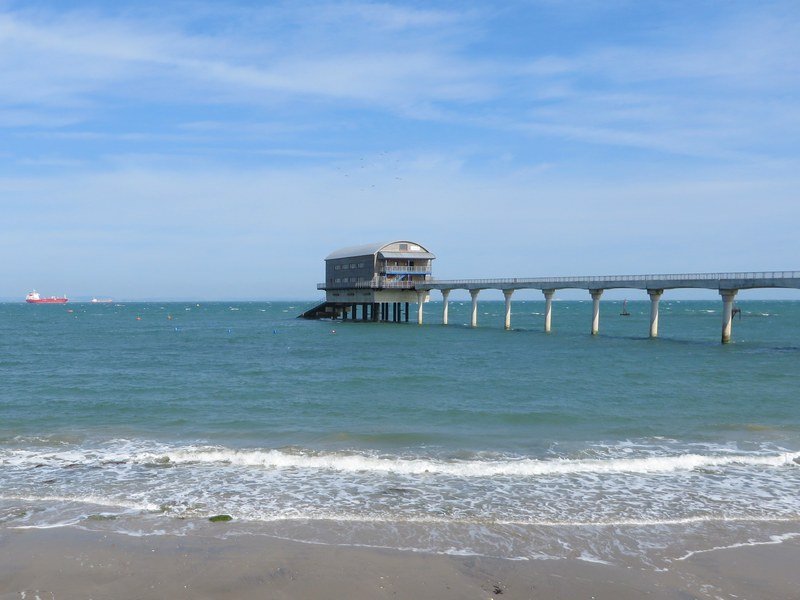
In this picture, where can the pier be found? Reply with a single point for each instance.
(384, 278)
(727, 284)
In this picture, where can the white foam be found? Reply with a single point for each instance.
(86, 499)
(773, 539)
(468, 468)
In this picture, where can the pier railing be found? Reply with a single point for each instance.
(587, 281)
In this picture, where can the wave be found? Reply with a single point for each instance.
(163, 456)
(523, 467)
(473, 468)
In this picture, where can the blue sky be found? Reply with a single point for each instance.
(221, 150)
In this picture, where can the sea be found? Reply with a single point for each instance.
(149, 418)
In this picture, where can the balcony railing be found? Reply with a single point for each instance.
(376, 283)
(404, 269)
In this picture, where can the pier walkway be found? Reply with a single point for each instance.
(727, 284)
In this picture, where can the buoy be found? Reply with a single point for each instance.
(169, 317)
(333, 331)
(138, 318)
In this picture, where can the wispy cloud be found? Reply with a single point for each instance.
(696, 91)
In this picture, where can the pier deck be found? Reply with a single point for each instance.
(728, 284)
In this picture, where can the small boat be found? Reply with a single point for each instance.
(35, 298)
(624, 312)
(102, 300)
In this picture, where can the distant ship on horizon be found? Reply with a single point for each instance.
(102, 300)
(34, 298)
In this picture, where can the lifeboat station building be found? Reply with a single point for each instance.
(374, 282)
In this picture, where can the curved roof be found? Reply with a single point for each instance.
(367, 249)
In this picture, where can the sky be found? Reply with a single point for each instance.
(207, 150)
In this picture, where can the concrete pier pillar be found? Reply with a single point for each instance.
(420, 303)
(406, 312)
(507, 294)
(445, 294)
(727, 313)
(596, 310)
(655, 296)
(474, 319)
(548, 309)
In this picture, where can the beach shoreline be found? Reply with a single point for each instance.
(69, 562)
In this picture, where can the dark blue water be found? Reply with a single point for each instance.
(158, 415)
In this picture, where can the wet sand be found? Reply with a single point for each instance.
(72, 563)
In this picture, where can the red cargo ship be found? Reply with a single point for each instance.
(34, 298)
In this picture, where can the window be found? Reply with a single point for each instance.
(344, 267)
(360, 265)
(337, 267)
(403, 247)
(338, 280)
(352, 265)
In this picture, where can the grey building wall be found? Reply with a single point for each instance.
(349, 269)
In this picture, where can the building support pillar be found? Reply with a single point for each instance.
(727, 313)
(596, 310)
(406, 312)
(445, 294)
(420, 303)
(548, 309)
(655, 296)
(474, 319)
(507, 294)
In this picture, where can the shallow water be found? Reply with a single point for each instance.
(448, 439)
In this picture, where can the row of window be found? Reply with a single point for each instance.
(350, 266)
(345, 279)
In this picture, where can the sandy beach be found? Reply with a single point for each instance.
(72, 563)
